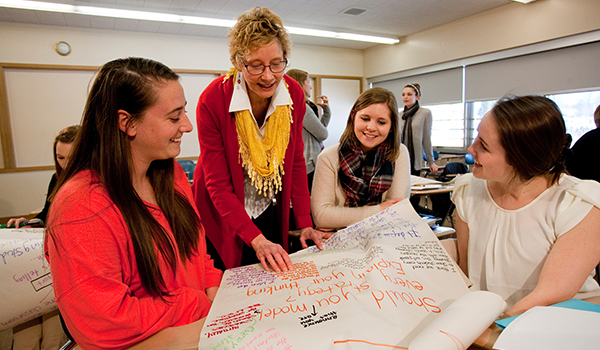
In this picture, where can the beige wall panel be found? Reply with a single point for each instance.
(341, 93)
(510, 26)
(41, 103)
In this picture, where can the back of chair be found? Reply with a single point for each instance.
(436, 155)
(188, 166)
(453, 168)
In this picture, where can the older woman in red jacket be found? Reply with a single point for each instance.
(251, 164)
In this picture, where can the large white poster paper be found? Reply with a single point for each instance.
(26, 291)
(375, 285)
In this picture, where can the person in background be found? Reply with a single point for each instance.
(368, 171)
(315, 128)
(415, 126)
(526, 230)
(124, 240)
(46, 332)
(580, 162)
(251, 164)
(62, 149)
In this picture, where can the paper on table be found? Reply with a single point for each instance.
(461, 323)
(376, 284)
(419, 180)
(569, 304)
(551, 328)
(426, 187)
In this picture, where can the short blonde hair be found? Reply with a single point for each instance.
(254, 28)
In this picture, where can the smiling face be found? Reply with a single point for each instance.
(157, 134)
(490, 156)
(409, 96)
(372, 125)
(63, 150)
(263, 86)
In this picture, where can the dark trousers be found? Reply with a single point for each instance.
(267, 223)
(414, 200)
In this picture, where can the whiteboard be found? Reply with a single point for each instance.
(43, 101)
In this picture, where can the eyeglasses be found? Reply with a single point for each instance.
(258, 69)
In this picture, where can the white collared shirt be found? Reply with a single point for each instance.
(254, 203)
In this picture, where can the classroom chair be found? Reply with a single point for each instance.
(188, 166)
(451, 170)
(70, 344)
(436, 156)
(443, 202)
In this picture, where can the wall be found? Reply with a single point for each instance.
(35, 44)
(24, 192)
(509, 26)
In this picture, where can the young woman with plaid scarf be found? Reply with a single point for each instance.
(368, 171)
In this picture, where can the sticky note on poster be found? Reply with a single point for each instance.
(376, 283)
(27, 290)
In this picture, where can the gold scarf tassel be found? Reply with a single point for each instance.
(264, 158)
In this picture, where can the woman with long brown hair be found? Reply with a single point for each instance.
(124, 240)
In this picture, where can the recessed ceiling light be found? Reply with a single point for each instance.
(166, 17)
(524, 1)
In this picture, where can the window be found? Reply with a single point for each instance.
(448, 126)
(578, 111)
(479, 109)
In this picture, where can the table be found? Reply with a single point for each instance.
(489, 337)
(430, 189)
(187, 337)
(443, 232)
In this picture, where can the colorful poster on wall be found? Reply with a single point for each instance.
(376, 284)
(27, 290)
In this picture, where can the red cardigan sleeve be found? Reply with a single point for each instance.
(219, 157)
(300, 196)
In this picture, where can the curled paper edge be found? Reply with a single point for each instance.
(461, 323)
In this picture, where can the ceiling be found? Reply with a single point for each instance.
(390, 18)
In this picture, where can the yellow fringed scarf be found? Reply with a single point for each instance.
(263, 158)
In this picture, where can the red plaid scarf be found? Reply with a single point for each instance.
(364, 177)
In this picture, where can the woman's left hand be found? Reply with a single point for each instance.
(314, 235)
(270, 253)
(433, 168)
(324, 101)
